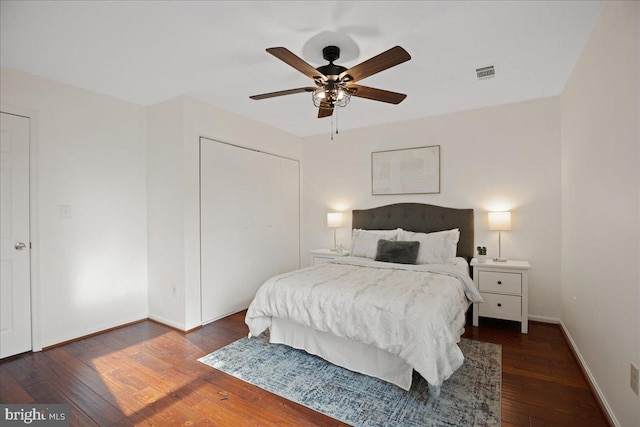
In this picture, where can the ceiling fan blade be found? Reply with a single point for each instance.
(291, 59)
(390, 58)
(282, 92)
(325, 111)
(376, 94)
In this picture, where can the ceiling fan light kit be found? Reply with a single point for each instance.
(331, 95)
(335, 84)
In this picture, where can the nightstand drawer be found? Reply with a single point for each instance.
(498, 306)
(494, 281)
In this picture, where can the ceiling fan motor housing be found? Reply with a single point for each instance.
(331, 70)
(331, 53)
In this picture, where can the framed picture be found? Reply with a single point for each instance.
(406, 171)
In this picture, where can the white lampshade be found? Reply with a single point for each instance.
(499, 221)
(334, 219)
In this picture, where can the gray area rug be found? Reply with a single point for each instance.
(470, 397)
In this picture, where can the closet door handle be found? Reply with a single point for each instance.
(499, 304)
(499, 282)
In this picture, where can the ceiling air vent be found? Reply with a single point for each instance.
(486, 72)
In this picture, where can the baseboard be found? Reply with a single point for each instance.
(195, 328)
(92, 334)
(604, 405)
(124, 325)
(544, 319)
(172, 326)
(235, 310)
(167, 322)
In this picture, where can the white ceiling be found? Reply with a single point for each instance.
(149, 51)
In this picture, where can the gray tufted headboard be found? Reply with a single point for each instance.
(421, 218)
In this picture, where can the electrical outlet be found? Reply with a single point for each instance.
(634, 378)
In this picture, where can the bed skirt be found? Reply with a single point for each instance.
(349, 354)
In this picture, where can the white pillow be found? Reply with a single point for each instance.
(364, 243)
(391, 233)
(435, 248)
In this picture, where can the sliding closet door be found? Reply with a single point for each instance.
(249, 218)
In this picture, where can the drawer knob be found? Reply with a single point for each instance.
(499, 304)
(499, 282)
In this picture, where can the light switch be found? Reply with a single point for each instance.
(65, 211)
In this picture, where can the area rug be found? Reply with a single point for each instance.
(470, 397)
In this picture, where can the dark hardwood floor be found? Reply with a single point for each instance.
(542, 383)
(147, 374)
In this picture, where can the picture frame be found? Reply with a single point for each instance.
(406, 171)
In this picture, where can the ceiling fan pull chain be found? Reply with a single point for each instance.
(336, 121)
(332, 127)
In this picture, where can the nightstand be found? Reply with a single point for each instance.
(505, 289)
(318, 256)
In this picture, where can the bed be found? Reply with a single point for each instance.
(382, 319)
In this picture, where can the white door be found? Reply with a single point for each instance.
(15, 287)
(250, 224)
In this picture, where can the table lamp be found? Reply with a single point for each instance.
(334, 220)
(499, 221)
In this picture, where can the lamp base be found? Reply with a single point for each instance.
(499, 260)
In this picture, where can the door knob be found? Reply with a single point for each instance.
(20, 246)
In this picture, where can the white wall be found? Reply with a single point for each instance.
(165, 200)
(90, 152)
(601, 206)
(175, 234)
(497, 158)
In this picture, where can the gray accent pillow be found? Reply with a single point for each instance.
(398, 252)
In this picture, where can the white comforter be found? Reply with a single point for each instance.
(416, 312)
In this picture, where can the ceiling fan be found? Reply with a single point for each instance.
(335, 84)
